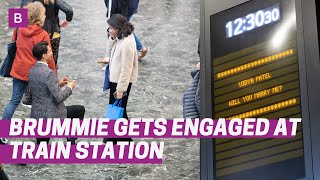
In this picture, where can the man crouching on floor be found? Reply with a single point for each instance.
(47, 91)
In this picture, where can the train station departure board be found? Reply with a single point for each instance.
(256, 74)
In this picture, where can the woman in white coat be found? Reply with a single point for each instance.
(123, 61)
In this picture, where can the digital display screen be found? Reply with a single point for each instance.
(253, 20)
(255, 73)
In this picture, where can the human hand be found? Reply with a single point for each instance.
(64, 23)
(72, 84)
(63, 82)
(104, 60)
(119, 95)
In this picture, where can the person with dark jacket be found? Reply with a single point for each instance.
(52, 23)
(127, 8)
(191, 98)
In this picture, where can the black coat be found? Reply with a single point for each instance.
(124, 7)
(118, 7)
(52, 23)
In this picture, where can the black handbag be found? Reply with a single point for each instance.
(8, 61)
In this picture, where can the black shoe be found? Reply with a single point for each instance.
(115, 140)
(27, 101)
(72, 140)
(3, 175)
(3, 141)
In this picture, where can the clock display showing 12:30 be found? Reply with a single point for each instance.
(253, 21)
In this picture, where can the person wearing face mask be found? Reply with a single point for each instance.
(123, 62)
(24, 60)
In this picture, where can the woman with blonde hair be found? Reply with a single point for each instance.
(26, 38)
(52, 23)
(53, 26)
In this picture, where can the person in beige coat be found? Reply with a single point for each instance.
(123, 61)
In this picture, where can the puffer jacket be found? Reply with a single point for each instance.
(191, 98)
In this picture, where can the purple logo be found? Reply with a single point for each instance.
(18, 17)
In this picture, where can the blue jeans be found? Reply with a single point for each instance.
(18, 90)
(138, 43)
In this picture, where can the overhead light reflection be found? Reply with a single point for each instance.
(281, 35)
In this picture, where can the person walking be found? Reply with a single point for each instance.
(24, 60)
(127, 8)
(52, 22)
(123, 62)
(53, 26)
(47, 94)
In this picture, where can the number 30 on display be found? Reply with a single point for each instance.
(253, 20)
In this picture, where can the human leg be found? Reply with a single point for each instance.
(43, 139)
(55, 43)
(113, 88)
(27, 101)
(138, 43)
(75, 111)
(142, 50)
(18, 89)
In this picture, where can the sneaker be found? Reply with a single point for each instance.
(26, 104)
(3, 141)
(73, 140)
(142, 53)
(27, 101)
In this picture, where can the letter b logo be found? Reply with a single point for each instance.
(18, 17)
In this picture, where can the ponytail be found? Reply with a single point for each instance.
(127, 29)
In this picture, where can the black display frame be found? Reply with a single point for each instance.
(309, 72)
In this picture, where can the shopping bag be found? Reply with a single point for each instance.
(8, 61)
(114, 111)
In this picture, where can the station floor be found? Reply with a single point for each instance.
(170, 29)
